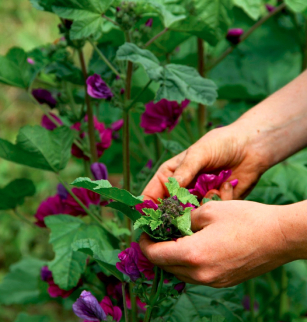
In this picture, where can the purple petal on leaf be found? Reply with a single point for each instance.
(97, 88)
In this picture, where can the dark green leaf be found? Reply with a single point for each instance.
(68, 265)
(14, 193)
(105, 189)
(24, 317)
(39, 148)
(126, 210)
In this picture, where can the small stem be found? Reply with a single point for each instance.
(20, 216)
(133, 303)
(152, 295)
(139, 95)
(90, 116)
(201, 69)
(155, 37)
(111, 20)
(283, 302)
(87, 168)
(104, 58)
(124, 301)
(251, 292)
(246, 35)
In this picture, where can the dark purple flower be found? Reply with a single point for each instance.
(97, 88)
(179, 287)
(122, 91)
(48, 124)
(62, 192)
(87, 197)
(110, 310)
(46, 274)
(234, 35)
(146, 204)
(128, 263)
(87, 307)
(149, 22)
(30, 61)
(162, 115)
(149, 164)
(247, 305)
(206, 182)
(99, 171)
(144, 265)
(44, 97)
(270, 8)
(51, 206)
(116, 126)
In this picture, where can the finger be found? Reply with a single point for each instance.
(163, 253)
(211, 193)
(200, 218)
(226, 191)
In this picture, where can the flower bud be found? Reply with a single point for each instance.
(99, 171)
(234, 35)
(149, 23)
(97, 88)
(179, 287)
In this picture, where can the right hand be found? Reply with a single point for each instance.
(220, 149)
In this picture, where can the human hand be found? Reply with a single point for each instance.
(234, 241)
(223, 148)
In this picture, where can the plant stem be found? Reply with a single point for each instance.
(251, 292)
(104, 58)
(87, 169)
(201, 69)
(90, 116)
(139, 95)
(155, 37)
(283, 302)
(71, 99)
(20, 216)
(124, 302)
(246, 35)
(133, 303)
(111, 20)
(271, 282)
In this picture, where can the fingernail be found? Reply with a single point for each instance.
(227, 186)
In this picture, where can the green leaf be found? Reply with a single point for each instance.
(85, 28)
(251, 7)
(15, 70)
(177, 82)
(172, 146)
(214, 318)
(155, 224)
(21, 284)
(68, 265)
(183, 223)
(126, 210)
(296, 5)
(105, 189)
(39, 148)
(172, 186)
(14, 193)
(152, 213)
(206, 19)
(24, 317)
(106, 258)
(141, 222)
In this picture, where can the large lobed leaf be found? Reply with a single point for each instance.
(37, 147)
(177, 82)
(14, 193)
(68, 265)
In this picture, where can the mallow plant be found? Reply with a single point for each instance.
(121, 90)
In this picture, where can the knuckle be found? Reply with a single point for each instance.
(206, 278)
(193, 257)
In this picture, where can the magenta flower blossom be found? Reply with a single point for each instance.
(97, 88)
(110, 310)
(179, 287)
(149, 164)
(270, 8)
(53, 289)
(99, 171)
(30, 61)
(149, 22)
(162, 115)
(87, 197)
(146, 204)
(234, 35)
(44, 97)
(105, 136)
(87, 307)
(144, 265)
(206, 182)
(116, 126)
(51, 206)
(62, 192)
(48, 124)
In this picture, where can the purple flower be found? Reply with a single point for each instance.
(149, 22)
(51, 206)
(247, 305)
(116, 126)
(46, 274)
(44, 97)
(144, 265)
(179, 287)
(87, 307)
(149, 164)
(62, 192)
(162, 115)
(99, 171)
(270, 8)
(97, 88)
(122, 91)
(48, 124)
(234, 35)
(30, 61)
(146, 204)
(206, 182)
(110, 310)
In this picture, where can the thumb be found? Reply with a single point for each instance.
(201, 217)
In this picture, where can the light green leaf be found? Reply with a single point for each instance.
(14, 193)
(251, 7)
(172, 186)
(105, 189)
(21, 284)
(39, 148)
(296, 5)
(24, 317)
(152, 213)
(85, 28)
(177, 82)
(155, 224)
(106, 258)
(183, 223)
(143, 221)
(68, 265)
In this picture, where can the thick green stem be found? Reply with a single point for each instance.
(251, 293)
(134, 311)
(283, 303)
(201, 69)
(90, 115)
(124, 302)
(260, 22)
(104, 58)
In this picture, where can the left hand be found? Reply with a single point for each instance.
(234, 241)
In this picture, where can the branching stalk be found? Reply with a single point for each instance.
(149, 42)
